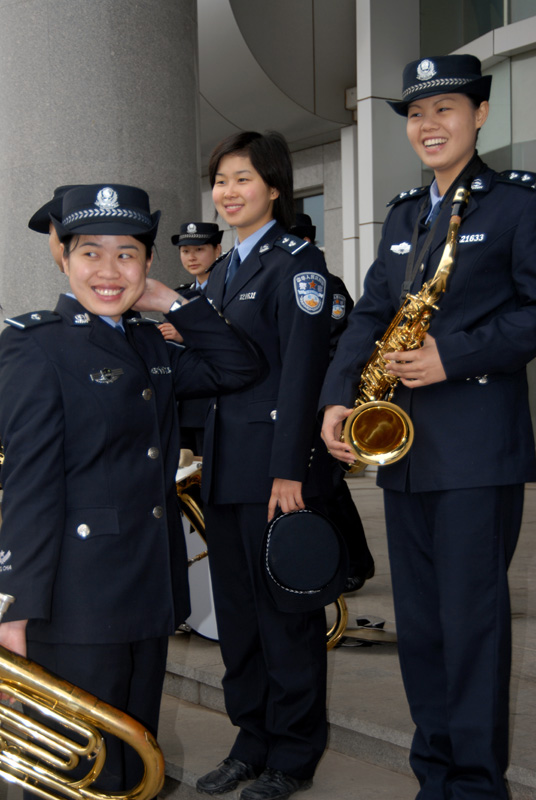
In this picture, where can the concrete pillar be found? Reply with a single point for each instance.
(387, 38)
(350, 210)
(91, 91)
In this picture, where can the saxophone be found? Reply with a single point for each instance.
(377, 430)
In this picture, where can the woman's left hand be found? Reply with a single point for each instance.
(420, 367)
(157, 297)
(287, 495)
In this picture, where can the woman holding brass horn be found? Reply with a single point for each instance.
(454, 500)
(92, 542)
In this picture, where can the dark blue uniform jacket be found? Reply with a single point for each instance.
(473, 429)
(91, 541)
(267, 430)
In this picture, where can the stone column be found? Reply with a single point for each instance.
(387, 39)
(93, 91)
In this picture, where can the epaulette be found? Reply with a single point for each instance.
(32, 319)
(141, 321)
(527, 179)
(406, 195)
(292, 244)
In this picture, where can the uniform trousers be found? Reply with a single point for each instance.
(449, 553)
(129, 676)
(275, 662)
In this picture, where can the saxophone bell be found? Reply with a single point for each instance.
(379, 432)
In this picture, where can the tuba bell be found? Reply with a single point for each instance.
(40, 759)
(379, 431)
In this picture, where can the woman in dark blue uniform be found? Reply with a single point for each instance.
(454, 503)
(258, 445)
(96, 557)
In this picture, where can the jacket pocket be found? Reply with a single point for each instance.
(263, 411)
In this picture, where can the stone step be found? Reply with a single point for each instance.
(195, 739)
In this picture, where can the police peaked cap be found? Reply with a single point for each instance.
(109, 209)
(304, 561)
(40, 221)
(303, 226)
(197, 233)
(442, 75)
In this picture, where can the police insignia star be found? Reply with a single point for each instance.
(106, 375)
(310, 291)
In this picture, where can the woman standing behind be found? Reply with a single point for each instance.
(454, 503)
(257, 452)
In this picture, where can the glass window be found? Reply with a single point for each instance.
(314, 206)
(447, 26)
(521, 9)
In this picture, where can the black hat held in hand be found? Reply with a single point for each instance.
(304, 560)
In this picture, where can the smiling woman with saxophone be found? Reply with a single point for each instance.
(453, 496)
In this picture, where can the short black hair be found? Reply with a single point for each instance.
(270, 156)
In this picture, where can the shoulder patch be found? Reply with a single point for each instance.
(520, 178)
(32, 319)
(310, 291)
(292, 244)
(338, 309)
(407, 195)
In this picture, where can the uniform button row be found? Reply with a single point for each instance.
(84, 530)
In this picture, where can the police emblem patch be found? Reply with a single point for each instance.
(338, 310)
(310, 291)
(401, 249)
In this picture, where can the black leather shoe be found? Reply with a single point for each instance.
(225, 777)
(274, 785)
(356, 582)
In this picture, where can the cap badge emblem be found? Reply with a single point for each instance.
(192, 228)
(426, 70)
(107, 199)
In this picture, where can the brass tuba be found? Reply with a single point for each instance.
(379, 431)
(39, 759)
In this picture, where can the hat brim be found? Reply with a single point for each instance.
(479, 88)
(40, 221)
(106, 227)
(304, 561)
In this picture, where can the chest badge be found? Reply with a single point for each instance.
(106, 375)
(310, 291)
(401, 249)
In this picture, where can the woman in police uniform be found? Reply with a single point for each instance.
(96, 557)
(258, 445)
(454, 502)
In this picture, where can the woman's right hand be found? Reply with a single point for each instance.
(13, 636)
(334, 416)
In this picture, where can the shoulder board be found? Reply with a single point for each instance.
(418, 192)
(32, 319)
(141, 321)
(520, 178)
(292, 244)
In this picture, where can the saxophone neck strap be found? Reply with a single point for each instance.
(469, 172)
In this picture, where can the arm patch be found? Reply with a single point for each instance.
(310, 291)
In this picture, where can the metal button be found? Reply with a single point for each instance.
(483, 379)
(273, 414)
(83, 531)
(153, 452)
(147, 394)
(158, 512)
(421, 268)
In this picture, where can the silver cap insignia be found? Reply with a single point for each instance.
(426, 70)
(107, 199)
(192, 228)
